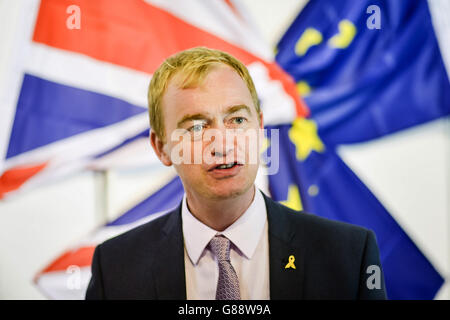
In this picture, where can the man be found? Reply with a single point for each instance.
(227, 240)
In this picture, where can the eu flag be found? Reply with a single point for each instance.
(365, 69)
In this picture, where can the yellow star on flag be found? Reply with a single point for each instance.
(265, 143)
(303, 134)
(293, 201)
(303, 88)
(347, 32)
(309, 38)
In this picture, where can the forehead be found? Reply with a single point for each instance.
(221, 88)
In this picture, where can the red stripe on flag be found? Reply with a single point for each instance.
(136, 35)
(81, 257)
(130, 33)
(12, 179)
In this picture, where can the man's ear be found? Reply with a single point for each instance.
(160, 148)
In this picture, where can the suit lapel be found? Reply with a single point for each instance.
(168, 269)
(285, 283)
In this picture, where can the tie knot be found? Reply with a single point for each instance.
(220, 246)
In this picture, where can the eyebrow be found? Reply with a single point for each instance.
(237, 108)
(190, 117)
(201, 116)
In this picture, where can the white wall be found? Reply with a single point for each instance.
(408, 172)
(36, 227)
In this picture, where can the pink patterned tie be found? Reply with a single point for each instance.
(228, 284)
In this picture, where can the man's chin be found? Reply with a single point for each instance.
(228, 193)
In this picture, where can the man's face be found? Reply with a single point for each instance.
(213, 124)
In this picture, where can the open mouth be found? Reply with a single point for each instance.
(225, 166)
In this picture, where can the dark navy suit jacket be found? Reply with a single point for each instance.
(331, 259)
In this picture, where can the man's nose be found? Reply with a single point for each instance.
(223, 144)
(220, 154)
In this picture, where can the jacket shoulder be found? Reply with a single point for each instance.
(314, 226)
(332, 229)
(335, 255)
(123, 266)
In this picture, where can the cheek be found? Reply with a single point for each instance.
(185, 152)
(252, 169)
(192, 174)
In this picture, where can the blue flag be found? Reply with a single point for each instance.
(365, 83)
(365, 69)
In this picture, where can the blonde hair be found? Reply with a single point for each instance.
(193, 65)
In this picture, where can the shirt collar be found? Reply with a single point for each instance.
(244, 233)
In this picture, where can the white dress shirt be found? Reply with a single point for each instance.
(249, 254)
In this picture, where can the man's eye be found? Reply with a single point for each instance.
(196, 128)
(239, 120)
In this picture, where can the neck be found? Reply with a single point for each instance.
(219, 214)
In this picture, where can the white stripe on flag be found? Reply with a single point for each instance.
(70, 284)
(82, 145)
(80, 71)
(23, 13)
(278, 107)
(107, 232)
(216, 17)
(439, 10)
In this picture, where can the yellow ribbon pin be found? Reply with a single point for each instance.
(291, 262)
